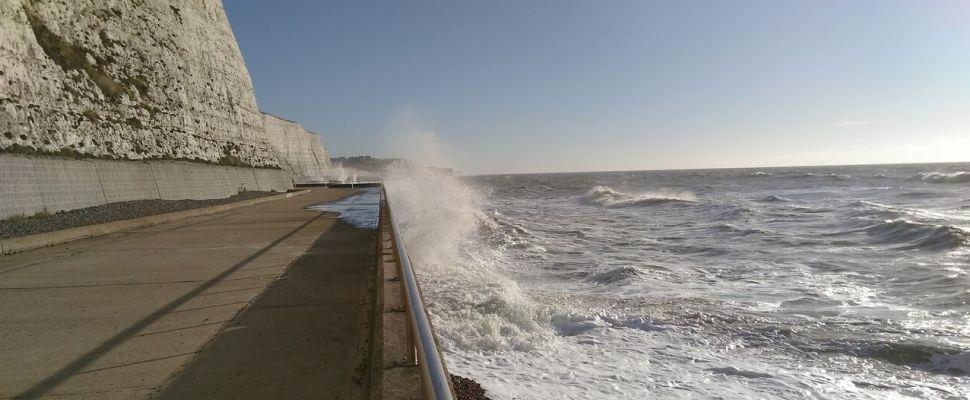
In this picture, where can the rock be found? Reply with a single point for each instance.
(467, 389)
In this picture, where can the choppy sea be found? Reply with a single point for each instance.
(782, 283)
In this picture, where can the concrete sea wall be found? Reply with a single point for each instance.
(30, 185)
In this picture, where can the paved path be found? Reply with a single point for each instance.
(116, 317)
(302, 338)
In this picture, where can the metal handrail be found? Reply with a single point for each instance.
(434, 376)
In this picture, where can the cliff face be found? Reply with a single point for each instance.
(302, 152)
(128, 79)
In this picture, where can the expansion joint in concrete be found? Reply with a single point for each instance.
(155, 180)
(97, 169)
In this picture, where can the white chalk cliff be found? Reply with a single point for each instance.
(137, 79)
(303, 153)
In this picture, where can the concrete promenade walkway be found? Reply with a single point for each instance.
(127, 315)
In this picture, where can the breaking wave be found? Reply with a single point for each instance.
(606, 196)
(943, 177)
(916, 235)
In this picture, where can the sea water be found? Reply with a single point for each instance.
(788, 283)
(359, 209)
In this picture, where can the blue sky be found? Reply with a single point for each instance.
(537, 86)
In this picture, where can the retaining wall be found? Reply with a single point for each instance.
(29, 185)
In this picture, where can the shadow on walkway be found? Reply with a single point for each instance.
(301, 338)
(78, 365)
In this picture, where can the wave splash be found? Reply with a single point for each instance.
(474, 306)
(606, 196)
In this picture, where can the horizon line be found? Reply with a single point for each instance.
(718, 168)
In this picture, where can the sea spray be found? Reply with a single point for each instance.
(343, 173)
(436, 211)
(474, 307)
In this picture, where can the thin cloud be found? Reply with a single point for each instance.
(855, 123)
